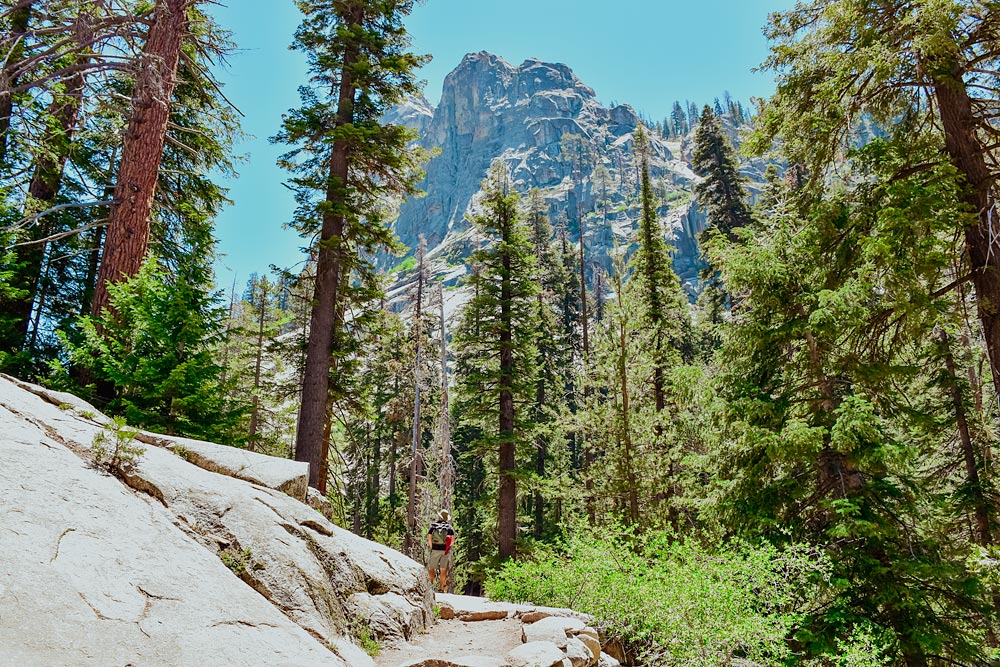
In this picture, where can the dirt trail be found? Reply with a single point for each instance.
(456, 639)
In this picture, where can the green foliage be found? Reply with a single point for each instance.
(158, 351)
(365, 637)
(720, 192)
(406, 265)
(114, 448)
(241, 562)
(673, 601)
(495, 340)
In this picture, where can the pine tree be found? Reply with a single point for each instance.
(129, 221)
(345, 157)
(158, 352)
(833, 440)
(933, 62)
(720, 192)
(495, 342)
(678, 120)
(664, 307)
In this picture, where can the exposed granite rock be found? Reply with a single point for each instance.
(490, 109)
(538, 654)
(94, 573)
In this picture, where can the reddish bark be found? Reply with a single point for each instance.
(982, 242)
(128, 224)
(310, 444)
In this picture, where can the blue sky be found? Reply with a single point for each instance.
(646, 53)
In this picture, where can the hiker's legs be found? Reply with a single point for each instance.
(433, 574)
(444, 580)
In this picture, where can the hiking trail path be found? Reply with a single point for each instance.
(477, 632)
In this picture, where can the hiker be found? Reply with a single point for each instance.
(441, 538)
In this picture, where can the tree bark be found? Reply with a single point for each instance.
(309, 441)
(447, 468)
(258, 361)
(626, 435)
(507, 523)
(982, 241)
(128, 224)
(411, 503)
(46, 180)
(980, 503)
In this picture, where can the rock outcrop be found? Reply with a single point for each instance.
(490, 110)
(189, 556)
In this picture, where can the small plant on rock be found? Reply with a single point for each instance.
(365, 637)
(115, 449)
(240, 562)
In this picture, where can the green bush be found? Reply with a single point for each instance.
(115, 449)
(674, 602)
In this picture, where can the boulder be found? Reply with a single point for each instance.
(579, 653)
(555, 629)
(532, 616)
(92, 574)
(592, 643)
(606, 660)
(469, 608)
(537, 654)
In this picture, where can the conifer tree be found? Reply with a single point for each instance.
(720, 192)
(841, 293)
(909, 60)
(664, 308)
(495, 341)
(129, 220)
(345, 160)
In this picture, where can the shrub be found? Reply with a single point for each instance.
(114, 448)
(674, 602)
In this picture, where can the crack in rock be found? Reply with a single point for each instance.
(59, 542)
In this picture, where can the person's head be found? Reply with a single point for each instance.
(444, 515)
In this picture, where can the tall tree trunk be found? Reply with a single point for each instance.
(982, 243)
(20, 16)
(447, 467)
(630, 477)
(259, 357)
(507, 523)
(588, 454)
(309, 441)
(541, 449)
(46, 180)
(980, 503)
(411, 504)
(128, 224)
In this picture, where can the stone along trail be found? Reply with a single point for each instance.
(476, 632)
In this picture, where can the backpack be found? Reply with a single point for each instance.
(439, 533)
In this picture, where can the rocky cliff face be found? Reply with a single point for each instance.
(196, 554)
(492, 110)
